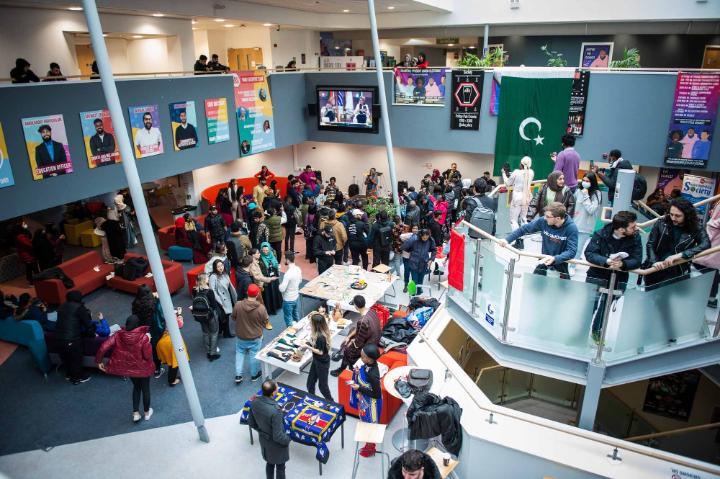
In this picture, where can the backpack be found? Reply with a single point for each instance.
(201, 310)
(482, 218)
(385, 234)
(134, 268)
(639, 187)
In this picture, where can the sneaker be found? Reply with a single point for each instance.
(712, 303)
(159, 372)
(149, 414)
(214, 357)
(136, 416)
(336, 372)
(405, 289)
(81, 380)
(256, 377)
(268, 326)
(238, 379)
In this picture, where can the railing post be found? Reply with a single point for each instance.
(605, 316)
(475, 276)
(510, 272)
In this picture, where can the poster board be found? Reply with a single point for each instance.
(183, 121)
(47, 146)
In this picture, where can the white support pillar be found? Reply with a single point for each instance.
(486, 39)
(136, 192)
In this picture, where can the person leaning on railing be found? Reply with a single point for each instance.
(712, 227)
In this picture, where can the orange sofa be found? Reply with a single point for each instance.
(166, 235)
(173, 275)
(80, 270)
(390, 404)
(210, 193)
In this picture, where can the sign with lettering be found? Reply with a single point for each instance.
(466, 99)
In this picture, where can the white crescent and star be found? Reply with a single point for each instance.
(531, 119)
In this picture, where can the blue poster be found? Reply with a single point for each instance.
(6, 176)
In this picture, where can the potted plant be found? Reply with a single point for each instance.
(630, 59)
(555, 59)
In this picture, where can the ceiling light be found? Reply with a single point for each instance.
(451, 44)
(228, 25)
(391, 7)
(75, 9)
(194, 22)
(194, 28)
(219, 19)
(105, 34)
(267, 24)
(346, 11)
(158, 14)
(337, 48)
(471, 47)
(138, 36)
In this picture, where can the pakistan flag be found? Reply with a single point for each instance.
(533, 118)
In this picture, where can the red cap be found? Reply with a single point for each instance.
(253, 290)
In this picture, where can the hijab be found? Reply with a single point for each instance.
(553, 186)
(268, 259)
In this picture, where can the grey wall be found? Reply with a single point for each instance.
(71, 98)
(290, 109)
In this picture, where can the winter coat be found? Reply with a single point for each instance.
(338, 232)
(267, 419)
(321, 244)
(430, 469)
(611, 175)
(131, 353)
(215, 225)
(429, 416)
(442, 206)
(412, 216)
(275, 230)
(602, 244)
(243, 279)
(540, 200)
(357, 233)
(24, 246)
(73, 322)
(250, 318)
(224, 291)
(713, 231)
(421, 252)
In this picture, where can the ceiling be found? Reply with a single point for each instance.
(353, 6)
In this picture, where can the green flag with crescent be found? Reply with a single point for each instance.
(533, 118)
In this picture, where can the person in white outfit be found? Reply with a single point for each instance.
(587, 210)
(519, 180)
(290, 287)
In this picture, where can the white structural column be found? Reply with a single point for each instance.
(486, 39)
(384, 113)
(136, 192)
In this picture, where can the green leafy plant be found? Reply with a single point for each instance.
(494, 58)
(376, 205)
(555, 59)
(630, 59)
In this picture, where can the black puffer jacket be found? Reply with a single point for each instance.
(74, 319)
(430, 469)
(429, 416)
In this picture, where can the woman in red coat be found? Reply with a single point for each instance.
(24, 246)
(131, 357)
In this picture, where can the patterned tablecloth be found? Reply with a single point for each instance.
(308, 420)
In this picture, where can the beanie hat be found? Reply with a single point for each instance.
(253, 290)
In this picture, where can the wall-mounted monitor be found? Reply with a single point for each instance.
(347, 108)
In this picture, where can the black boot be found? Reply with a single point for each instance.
(519, 244)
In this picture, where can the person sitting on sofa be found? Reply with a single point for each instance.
(33, 309)
(74, 322)
(8, 304)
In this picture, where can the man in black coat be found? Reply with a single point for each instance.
(267, 419)
(22, 72)
(49, 153)
(74, 321)
(324, 249)
(414, 464)
(102, 142)
(381, 239)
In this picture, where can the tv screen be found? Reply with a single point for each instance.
(347, 109)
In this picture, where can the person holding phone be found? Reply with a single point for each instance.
(319, 344)
(366, 394)
(610, 175)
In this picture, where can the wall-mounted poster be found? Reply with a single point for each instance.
(254, 112)
(144, 121)
(495, 97)
(100, 145)
(596, 54)
(697, 188)
(693, 119)
(466, 99)
(672, 395)
(216, 113)
(6, 176)
(183, 120)
(578, 102)
(47, 146)
(419, 86)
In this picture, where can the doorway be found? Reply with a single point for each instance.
(85, 59)
(245, 58)
(711, 58)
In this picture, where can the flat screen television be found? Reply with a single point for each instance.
(347, 108)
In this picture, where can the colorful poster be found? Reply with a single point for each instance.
(693, 119)
(596, 54)
(495, 98)
(144, 121)
(47, 146)
(697, 188)
(99, 134)
(672, 395)
(254, 112)
(183, 120)
(216, 113)
(578, 102)
(6, 176)
(466, 99)
(669, 180)
(419, 86)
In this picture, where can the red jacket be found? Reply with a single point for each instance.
(24, 246)
(132, 353)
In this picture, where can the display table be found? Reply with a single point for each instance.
(287, 342)
(334, 285)
(308, 419)
(437, 457)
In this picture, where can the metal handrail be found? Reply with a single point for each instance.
(696, 205)
(647, 209)
(674, 432)
(582, 433)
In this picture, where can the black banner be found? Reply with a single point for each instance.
(466, 92)
(578, 102)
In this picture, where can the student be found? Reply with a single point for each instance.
(422, 249)
(269, 266)
(381, 239)
(55, 74)
(205, 310)
(610, 175)
(319, 344)
(225, 295)
(712, 227)
(250, 318)
(74, 322)
(289, 287)
(266, 418)
(22, 72)
(587, 210)
(366, 395)
(357, 238)
(414, 464)
(568, 162)
(215, 226)
(275, 230)
(554, 190)
(24, 246)
(201, 65)
(324, 249)
(520, 180)
(367, 331)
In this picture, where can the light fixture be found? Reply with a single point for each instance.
(267, 24)
(228, 25)
(158, 15)
(138, 36)
(346, 11)
(391, 7)
(75, 9)
(451, 44)
(105, 34)
(194, 28)
(194, 22)
(219, 20)
(337, 48)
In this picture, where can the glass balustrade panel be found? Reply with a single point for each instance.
(517, 384)
(490, 384)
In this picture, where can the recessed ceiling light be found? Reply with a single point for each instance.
(219, 19)
(194, 28)
(471, 47)
(228, 25)
(105, 34)
(75, 9)
(138, 36)
(158, 14)
(337, 48)
(451, 44)
(194, 22)
(267, 24)
(346, 11)
(391, 7)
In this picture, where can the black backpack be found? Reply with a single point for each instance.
(639, 187)
(385, 235)
(134, 268)
(201, 310)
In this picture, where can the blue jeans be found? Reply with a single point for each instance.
(247, 346)
(418, 277)
(291, 312)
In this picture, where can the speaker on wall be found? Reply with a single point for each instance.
(312, 109)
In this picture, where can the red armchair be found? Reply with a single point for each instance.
(390, 404)
(193, 274)
(173, 275)
(80, 269)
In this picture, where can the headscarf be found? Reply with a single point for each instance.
(268, 259)
(553, 186)
(435, 176)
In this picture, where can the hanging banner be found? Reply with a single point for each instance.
(693, 119)
(672, 396)
(216, 113)
(47, 146)
(6, 176)
(146, 135)
(697, 188)
(99, 135)
(578, 102)
(466, 99)
(254, 112)
(495, 97)
(183, 120)
(419, 86)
